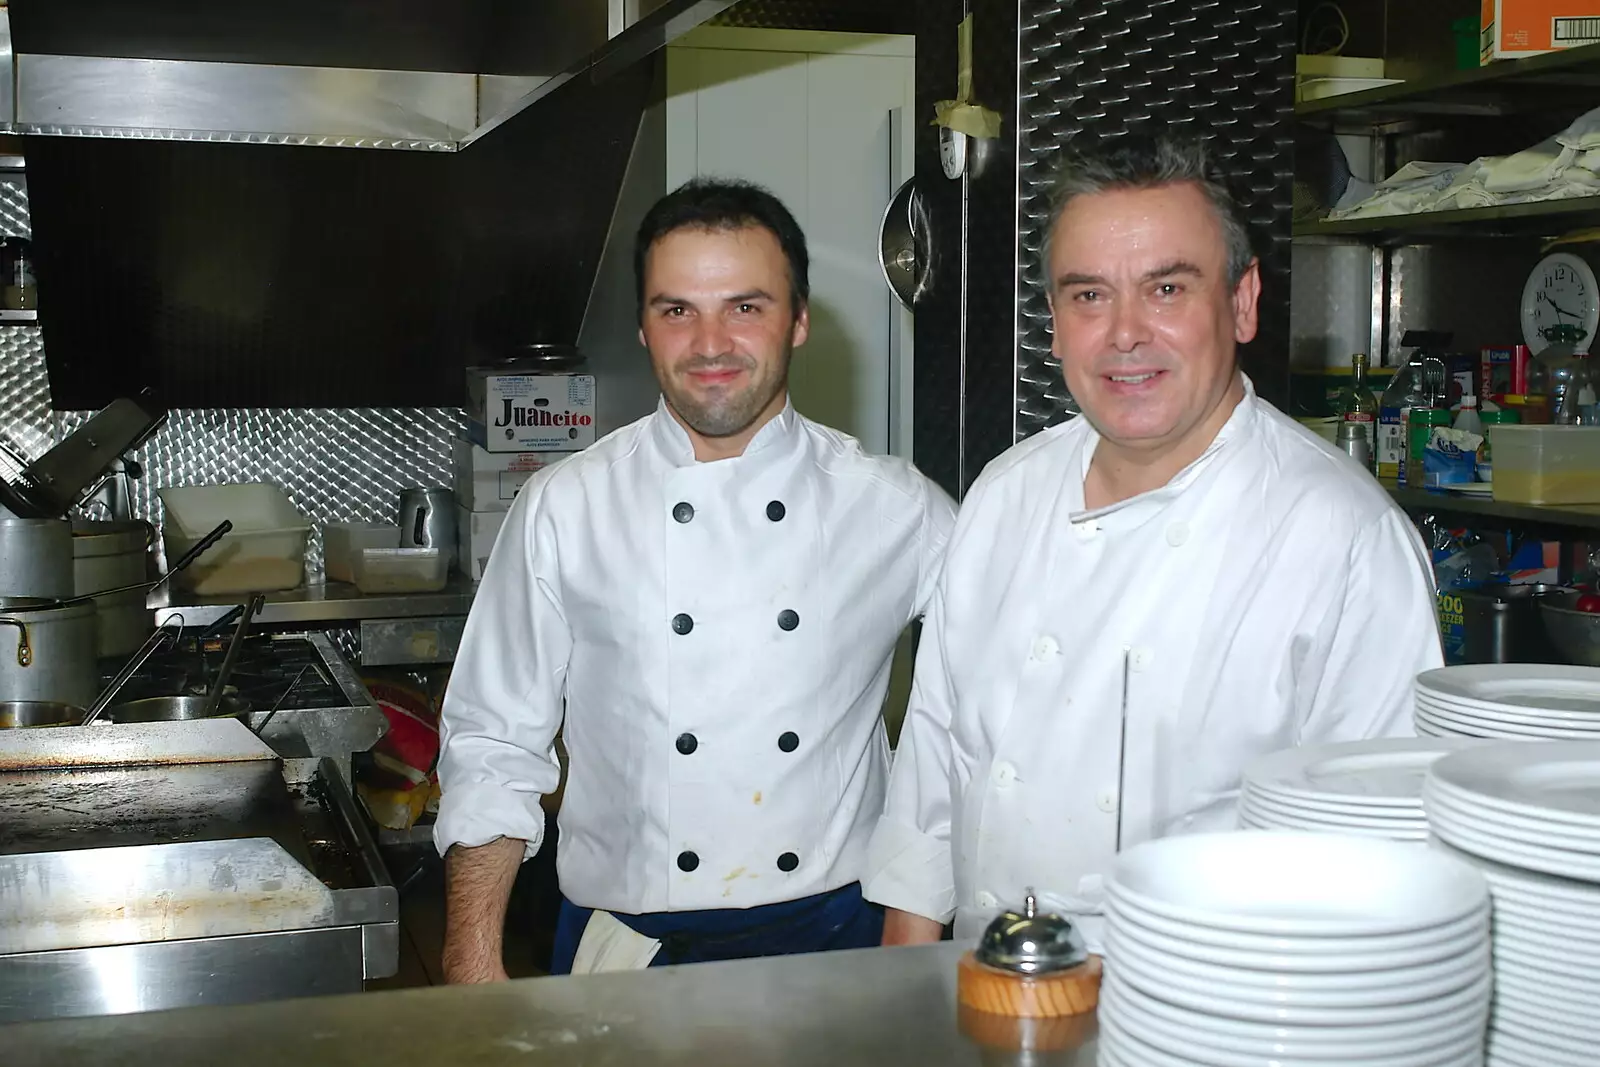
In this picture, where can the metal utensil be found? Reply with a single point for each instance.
(174, 709)
(276, 704)
(215, 698)
(129, 669)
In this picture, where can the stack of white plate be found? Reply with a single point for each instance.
(1516, 701)
(1276, 948)
(1528, 816)
(1366, 788)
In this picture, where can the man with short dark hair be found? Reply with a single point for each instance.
(1139, 602)
(706, 602)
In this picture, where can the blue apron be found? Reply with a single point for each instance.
(836, 920)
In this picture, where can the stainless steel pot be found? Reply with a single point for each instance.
(52, 658)
(35, 557)
(25, 714)
(172, 709)
(111, 555)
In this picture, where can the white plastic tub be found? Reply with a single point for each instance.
(400, 570)
(1546, 464)
(342, 543)
(264, 552)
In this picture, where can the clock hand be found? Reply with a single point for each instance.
(1559, 309)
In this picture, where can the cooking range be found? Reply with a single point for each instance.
(168, 864)
(311, 701)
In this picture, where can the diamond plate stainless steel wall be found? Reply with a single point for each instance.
(335, 464)
(1223, 69)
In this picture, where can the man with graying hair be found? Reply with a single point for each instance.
(1138, 603)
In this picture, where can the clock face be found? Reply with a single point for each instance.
(1561, 291)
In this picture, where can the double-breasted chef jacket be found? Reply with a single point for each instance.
(1271, 595)
(718, 637)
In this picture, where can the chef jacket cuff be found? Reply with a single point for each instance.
(910, 871)
(477, 813)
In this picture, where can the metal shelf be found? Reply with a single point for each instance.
(1546, 218)
(1571, 516)
(10, 316)
(1511, 87)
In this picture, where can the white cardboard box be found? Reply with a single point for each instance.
(489, 481)
(529, 412)
(475, 536)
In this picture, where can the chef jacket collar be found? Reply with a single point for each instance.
(1137, 510)
(673, 440)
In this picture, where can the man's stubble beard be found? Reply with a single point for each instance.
(728, 414)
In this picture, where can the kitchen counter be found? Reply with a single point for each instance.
(323, 602)
(868, 1008)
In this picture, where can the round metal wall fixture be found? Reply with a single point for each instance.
(902, 246)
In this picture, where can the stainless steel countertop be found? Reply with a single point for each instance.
(318, 603)
(869, 1008)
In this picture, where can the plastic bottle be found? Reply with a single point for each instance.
(1467, 419)
(1420, 383)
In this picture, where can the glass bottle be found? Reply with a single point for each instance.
(1356, 402)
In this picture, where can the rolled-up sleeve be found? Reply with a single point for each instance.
(909, 864)
(504, 704)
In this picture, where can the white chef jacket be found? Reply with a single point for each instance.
(720, 635)
(1270, 595)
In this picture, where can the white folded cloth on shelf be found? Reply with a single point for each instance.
(1531, 168)
(1584, 133)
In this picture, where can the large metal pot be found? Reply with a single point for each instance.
(174, 709)
(26, 714)
(110, 555)
(36, 557)
(47, 651)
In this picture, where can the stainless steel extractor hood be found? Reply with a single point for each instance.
(393, 74)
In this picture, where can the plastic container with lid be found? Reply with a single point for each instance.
(264, 552)
(400, 570)
(1546, 464)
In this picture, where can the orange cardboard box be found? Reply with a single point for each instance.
(1514, 29)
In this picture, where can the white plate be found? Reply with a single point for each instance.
(1320, 955)
(1480, 802)
(1290, 883)
(1267, 806)
(1252, 793)
(1510, 727)
(1272, 822)
(1458, 1018)
(1258, 993)
(1412, 810)
(1524, 828)
(1534, 779)
(1117, 1047)
(1515, 1050)
(1554, 891)
(1586, 721)
(1469, 838)
(1387, 772)
(1530, 685)
(1482, 727)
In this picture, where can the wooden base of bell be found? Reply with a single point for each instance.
(1013, 1033)
(1075, 991)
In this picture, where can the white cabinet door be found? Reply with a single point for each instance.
(814, 126)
